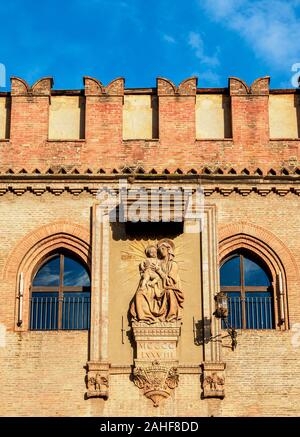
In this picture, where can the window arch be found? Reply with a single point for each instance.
(60, 294)
(247, 281)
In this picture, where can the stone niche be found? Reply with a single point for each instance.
(128, 242)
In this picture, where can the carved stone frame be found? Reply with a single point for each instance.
(98, 365)
(213, 378)
(98, 358)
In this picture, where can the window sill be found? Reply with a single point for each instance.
(252, 331)
(284, 139)
(4, 140)
(66, 141)
(154, 140)
(214, 139)
(51, 331)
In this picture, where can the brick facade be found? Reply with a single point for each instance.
(48, 190)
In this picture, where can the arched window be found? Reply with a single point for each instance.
(60, 294)
(247, 282)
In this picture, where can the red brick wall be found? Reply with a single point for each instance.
(103, 147)
(43, 373)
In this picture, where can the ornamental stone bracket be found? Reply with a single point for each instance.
(97, 380)
(213, 380)
(156, 380)
(155, 368)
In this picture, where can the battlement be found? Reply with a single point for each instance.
(159, 129)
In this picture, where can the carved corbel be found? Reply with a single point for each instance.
(213, 380)
(156, 380)
(97, 380)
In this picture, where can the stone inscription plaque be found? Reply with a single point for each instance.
(156, 350)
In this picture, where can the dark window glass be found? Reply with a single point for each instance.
(230, 272)
(60, 295)
(48, 274)
(75, 274)
(249, 290)
(254, 274)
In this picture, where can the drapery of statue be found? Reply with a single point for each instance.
(159, 296)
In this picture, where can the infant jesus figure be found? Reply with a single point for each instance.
(148, 271)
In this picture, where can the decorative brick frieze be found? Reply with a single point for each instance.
(79, 188)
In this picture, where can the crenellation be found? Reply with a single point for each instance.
(240, 124)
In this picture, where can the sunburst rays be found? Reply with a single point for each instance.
(135, 254)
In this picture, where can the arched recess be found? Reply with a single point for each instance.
(273, 252)
(33, 249)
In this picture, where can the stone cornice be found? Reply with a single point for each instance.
(220, 188)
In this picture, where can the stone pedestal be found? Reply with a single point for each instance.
(155, 366)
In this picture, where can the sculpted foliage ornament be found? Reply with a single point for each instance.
(156, 380)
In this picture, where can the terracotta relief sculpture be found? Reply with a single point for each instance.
(213, 380)
(156, 381)
(159, 297)
(97, 386)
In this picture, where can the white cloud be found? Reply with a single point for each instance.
(271, 28)
(222, 8)
(195, 41)
(169, 38)
(211, 77)
(207, 78)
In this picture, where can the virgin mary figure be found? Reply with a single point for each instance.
(159, 296)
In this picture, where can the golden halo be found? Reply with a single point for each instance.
(166, 240)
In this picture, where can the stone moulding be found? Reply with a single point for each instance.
(156, 380)
(213, 380)
(82, 188)
(97, 380)
(161, 329)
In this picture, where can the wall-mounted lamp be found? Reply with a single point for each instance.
(222, 305)
(222, 313)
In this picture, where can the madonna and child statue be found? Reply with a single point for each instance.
(159, 296)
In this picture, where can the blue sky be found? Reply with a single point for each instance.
(142, 39)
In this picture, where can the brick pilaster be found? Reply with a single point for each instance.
(176, 107)
(30, 111)
(250, 113)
